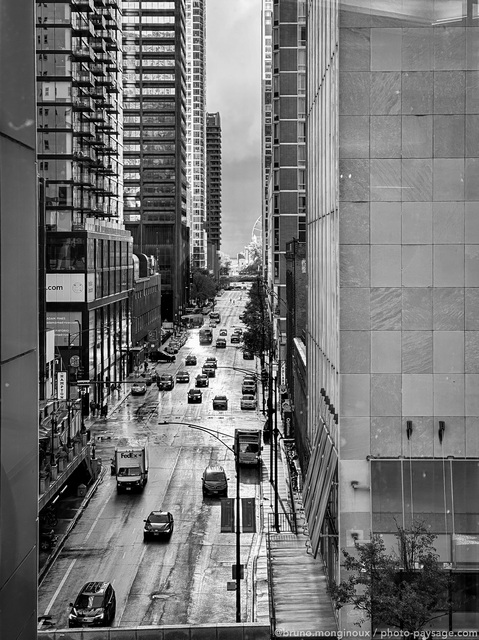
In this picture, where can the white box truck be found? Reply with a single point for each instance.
(248, 446)
(131, 466)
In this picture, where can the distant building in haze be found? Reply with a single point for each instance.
(213, 188)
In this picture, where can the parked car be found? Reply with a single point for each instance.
(235, 338)
(138, 389)
(94, 606)
(247, 355)
(158, 524)
(190, 360)
(212, 362)
(220, 403)
(223, 332)
(202, 380)
(161, 356)
(220, 343)
(248, 387)
(212, 324)
(248, 401)
(214, 481)
(208, 370)
(165, 382)
(195, 395)
(182, 376)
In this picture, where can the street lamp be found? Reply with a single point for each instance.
(235, 451)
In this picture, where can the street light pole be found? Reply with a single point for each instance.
(238, 537)
(276, 505)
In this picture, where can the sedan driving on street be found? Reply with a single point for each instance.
(202, 380)
(94, 606)
(235, 338)
(190, 360)
(165, 382)
(212, 362)
(138, 389)
(248, 387)
(248, 401)
(221, 343)
(208, 371)
(158, 524)
(195, 395)
(220, 403)
(214, 481)
(182, 376)
(223, 332)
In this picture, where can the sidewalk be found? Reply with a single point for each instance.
(299, 605)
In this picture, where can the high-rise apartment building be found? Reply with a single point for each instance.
(196, 145)
(285, 176)
(213, 179)
(154, 103)
(87, 265)
(267, 127)
(393, 285)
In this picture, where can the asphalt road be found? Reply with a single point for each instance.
(183, 580)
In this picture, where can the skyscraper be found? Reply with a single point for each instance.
(154, 84)
(213, 185)
(393, 287)
(196, 118)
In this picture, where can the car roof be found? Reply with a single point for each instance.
(159, 513)
(94, 587)
(214, 469)
(220, 398)
(194, 391)
(247, 396)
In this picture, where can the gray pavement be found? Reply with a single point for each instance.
(289, 585)
(298, 604)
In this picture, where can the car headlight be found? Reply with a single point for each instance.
(99, 615)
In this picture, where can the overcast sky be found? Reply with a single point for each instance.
(233, 80)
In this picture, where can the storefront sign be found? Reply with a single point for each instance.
(62, 387)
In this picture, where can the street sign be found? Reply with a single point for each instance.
(231, 586)
(62, 386)
(75, 361)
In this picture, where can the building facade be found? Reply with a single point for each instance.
(392, 237)
(196, 129)
(154, 103)
(85, 268)
(146, 309)
(213, 189)
(19, 358)
(285, 167)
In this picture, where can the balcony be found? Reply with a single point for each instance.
(83, 129)
(82, 52)
(83, 104)
(83, 79)
(82, 5)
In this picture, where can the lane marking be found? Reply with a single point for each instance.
(95, 521)
(52, 601)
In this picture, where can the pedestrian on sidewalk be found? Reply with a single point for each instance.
(98, 408)
(93, 408)
(104, 410)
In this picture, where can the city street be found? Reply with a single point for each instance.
(182, 580)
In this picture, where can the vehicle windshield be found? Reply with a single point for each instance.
(159, 518)
(215, 476)
(248, 448)
(129, 471)
(89, 602)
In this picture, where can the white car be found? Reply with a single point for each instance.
(248, 402)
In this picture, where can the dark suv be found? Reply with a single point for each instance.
(215, 482)
(94, 607)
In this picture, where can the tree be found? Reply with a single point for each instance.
(405, 589)
(203, 286)
(258, 336)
